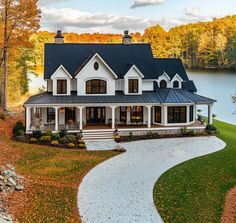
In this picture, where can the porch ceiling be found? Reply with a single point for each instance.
(161, 96)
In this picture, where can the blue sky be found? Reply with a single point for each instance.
(116, 15)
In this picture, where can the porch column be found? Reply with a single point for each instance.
(56, 118)
(28, 119)
(149, 107)
(165, 115)
(210, 118)
(188, 112)
(80, 118)
(113, 126)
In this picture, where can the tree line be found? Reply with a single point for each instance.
(200, 45)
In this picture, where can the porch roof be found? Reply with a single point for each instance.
(161, 96)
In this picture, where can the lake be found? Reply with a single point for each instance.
(219, 85)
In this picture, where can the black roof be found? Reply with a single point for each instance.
(170, 96)
(117, 56)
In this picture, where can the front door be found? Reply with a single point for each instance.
(96, 115)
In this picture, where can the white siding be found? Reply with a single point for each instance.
(132, 74)
(49, 85)
(89, 73)
(120, 85)
(73, 85)
(147, 85)
(60, 74)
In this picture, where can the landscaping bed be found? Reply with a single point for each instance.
(195, 191)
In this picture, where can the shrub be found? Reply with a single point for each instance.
(18, 128)
(68, 139)
(54, 143)
(82, 144)
(37, 134)
(33, 140)
(21, 138)
(45, 139)
(117, 137)
(63, 133)
(2, 116)
(48, 133)
(211, 129)
(130, 134)
(71, 145)
(56, 136)
(62, 140)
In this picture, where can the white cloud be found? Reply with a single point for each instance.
(193, 12)
(142, 3)
(72, 19)
(45, 2)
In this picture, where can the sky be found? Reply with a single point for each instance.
(114, 16)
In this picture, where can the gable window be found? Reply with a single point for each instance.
(61, 86)
(96, 66)
(176, 84)
(133, 86)
(96, 86)
(163, 84)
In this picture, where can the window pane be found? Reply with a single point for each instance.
(50, 115)
(191, 114)
(61, 86)
(177, 114)
(133, 86)
(158, 114)
(96, 87)
(136, 114)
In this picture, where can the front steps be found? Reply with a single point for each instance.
(94, 135)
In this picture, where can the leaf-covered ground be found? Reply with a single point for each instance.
(195, 191)
(51, 179)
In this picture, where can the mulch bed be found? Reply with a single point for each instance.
(229, 213)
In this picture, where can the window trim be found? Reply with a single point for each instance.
(92, 87)
(61, 86)
(132, 83)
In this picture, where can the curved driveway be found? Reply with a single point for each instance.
(120, 190)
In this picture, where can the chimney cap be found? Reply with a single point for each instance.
(126, 33)
(59, 34)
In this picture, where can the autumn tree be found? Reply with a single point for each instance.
(19, 20)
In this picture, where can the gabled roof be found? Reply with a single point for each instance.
(89, 59)
(64, 69)
(133, 66)
(167, 96)
(117, 56)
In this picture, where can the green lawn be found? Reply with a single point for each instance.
(194, 191)
(52, 177)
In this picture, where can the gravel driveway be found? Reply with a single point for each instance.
(120, 190)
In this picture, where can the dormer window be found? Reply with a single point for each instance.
(61, 86)
(133, 86)
(96, 86)
(163, 84)
(176, 84)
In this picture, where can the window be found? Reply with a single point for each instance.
(96, 66)
(176, 84)
(163, 84)
(177, 114)
(123, 114)
(191, 114)
(133, 86)
(136, 114)
(38, 113)
(61, 86)
(50, 115)
(96, 87)
(158, 114)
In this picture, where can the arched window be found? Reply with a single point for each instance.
(163, 84)
(176, 84)
(96, 86)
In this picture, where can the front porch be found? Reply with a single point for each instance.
(130, 117)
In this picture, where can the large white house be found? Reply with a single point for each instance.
(113, 86)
